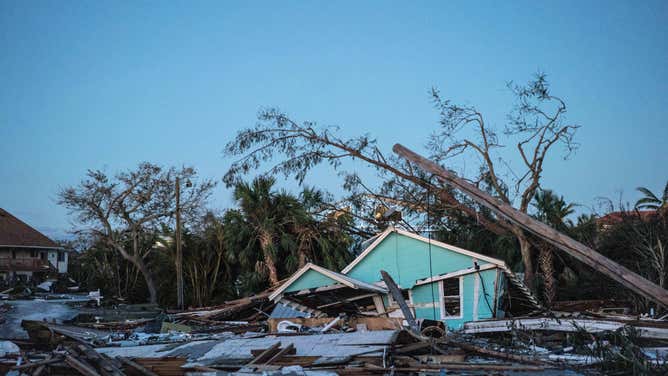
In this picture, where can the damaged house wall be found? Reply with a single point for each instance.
(463, 285)
(472, 309)
(310, 279)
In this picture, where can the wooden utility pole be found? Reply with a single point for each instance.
(579, 251)
(399, 298)
(179, 251)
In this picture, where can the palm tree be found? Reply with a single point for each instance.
(266, 213)
(652, 201)
(551, 210)
(320, 235)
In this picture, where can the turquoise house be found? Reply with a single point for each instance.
(439, 281)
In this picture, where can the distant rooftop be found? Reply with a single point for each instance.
(16, 233)
(618, 216)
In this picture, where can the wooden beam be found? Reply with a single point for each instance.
(136, 366)
(498, 354)
(579, 251)
(79, 365)
(39, 363)
(563, 325)
(266, 354)
(378, 302)
(284, 351)
(399, 298)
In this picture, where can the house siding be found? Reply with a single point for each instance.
(310, 279)
(407, 260)
(422, 299)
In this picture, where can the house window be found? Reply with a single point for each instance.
(451, 297)
(61, 256)
(33, 253)
(13, 253)
(42, 255)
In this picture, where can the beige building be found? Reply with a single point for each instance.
(27, 254)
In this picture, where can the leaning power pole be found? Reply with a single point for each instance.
(577, 250)
(179, 251)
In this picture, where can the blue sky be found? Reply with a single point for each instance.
(105, 85)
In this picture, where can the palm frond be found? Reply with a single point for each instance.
(647, 193)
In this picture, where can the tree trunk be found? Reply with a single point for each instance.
(150, 284)
(301, 255)
(525, 251)
(546, 260)
(267, 243)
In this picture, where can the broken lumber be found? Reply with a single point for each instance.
(498, 354)
(37, 364)
(107, 367)
(79, 365)
(284, 351)
(39, 370)
(136, 366)
(266, 354)
(656, 330)
(579, 251)
(426, 368)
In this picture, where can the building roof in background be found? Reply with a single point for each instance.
(617, 217)
(16, 233)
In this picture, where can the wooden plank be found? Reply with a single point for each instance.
(82, 367)
(563, 325)
(399, 298)
(498, 354)
(256, 352)
(430, 369)
(137, 367)
(37, 364)
(107, 367)
(284, 351)
(411, 347)
(571, 246)
(168, 366)
(266, 354)
(39, 370)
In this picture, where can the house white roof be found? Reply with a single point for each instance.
(389, 230)
(341, 278)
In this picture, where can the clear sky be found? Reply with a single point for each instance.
(105, 85)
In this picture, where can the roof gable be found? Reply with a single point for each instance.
(407, 257)
(16, 233)
(313, 276)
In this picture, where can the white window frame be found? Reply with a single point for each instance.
(441, 299)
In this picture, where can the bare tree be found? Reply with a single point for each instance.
(537, 121)
(126, 210)
(537, 124)
(305, 146)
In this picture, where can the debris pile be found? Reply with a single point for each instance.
(240, 337)
(258, 335)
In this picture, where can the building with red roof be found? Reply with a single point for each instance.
(25, 253)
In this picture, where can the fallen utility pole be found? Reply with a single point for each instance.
(579, 251)
(396, 294)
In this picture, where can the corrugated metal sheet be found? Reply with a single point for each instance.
(208, 352)
(282, 311)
